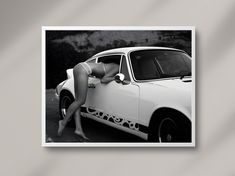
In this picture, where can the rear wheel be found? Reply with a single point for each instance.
(66, 99)
(167, 131)
(169, 128)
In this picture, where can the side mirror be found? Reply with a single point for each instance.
(119, 78)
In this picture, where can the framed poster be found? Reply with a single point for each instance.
(118, 86)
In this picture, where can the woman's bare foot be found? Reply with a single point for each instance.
(61, 128)
(79, 133)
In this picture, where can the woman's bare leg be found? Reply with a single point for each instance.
(72, 108)
(78, 130)
(80, 88)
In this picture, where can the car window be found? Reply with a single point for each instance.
(110, 59)
(124, 68)
(154, 64)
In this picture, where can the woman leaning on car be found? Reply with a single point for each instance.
(104, 71)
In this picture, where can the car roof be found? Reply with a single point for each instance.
(126, 50)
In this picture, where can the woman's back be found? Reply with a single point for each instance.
(100, 69)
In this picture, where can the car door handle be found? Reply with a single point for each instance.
(91, 86)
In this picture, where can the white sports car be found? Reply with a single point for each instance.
(150, 97)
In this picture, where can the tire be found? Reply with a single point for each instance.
(169, 128)
(66, 99)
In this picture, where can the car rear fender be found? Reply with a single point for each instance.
(68, 85)
(182, 110)
(69, 73)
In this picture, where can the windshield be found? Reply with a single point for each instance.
(155, 64)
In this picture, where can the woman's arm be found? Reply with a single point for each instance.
(106, 80)
(110, 75)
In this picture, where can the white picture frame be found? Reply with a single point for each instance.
(44, 141)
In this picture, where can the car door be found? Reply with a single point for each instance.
(124, 99)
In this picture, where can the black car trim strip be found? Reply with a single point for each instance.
(116, 120)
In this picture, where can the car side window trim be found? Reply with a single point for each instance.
(125, 66)
(92, 60)
(120, 65)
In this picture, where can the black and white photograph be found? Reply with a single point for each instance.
(118, 86)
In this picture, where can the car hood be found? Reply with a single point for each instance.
(184, 84)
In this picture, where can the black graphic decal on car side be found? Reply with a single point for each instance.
(112, 118)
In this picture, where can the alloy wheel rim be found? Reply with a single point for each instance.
(167, 130)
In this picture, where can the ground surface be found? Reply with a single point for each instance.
(95, 131)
